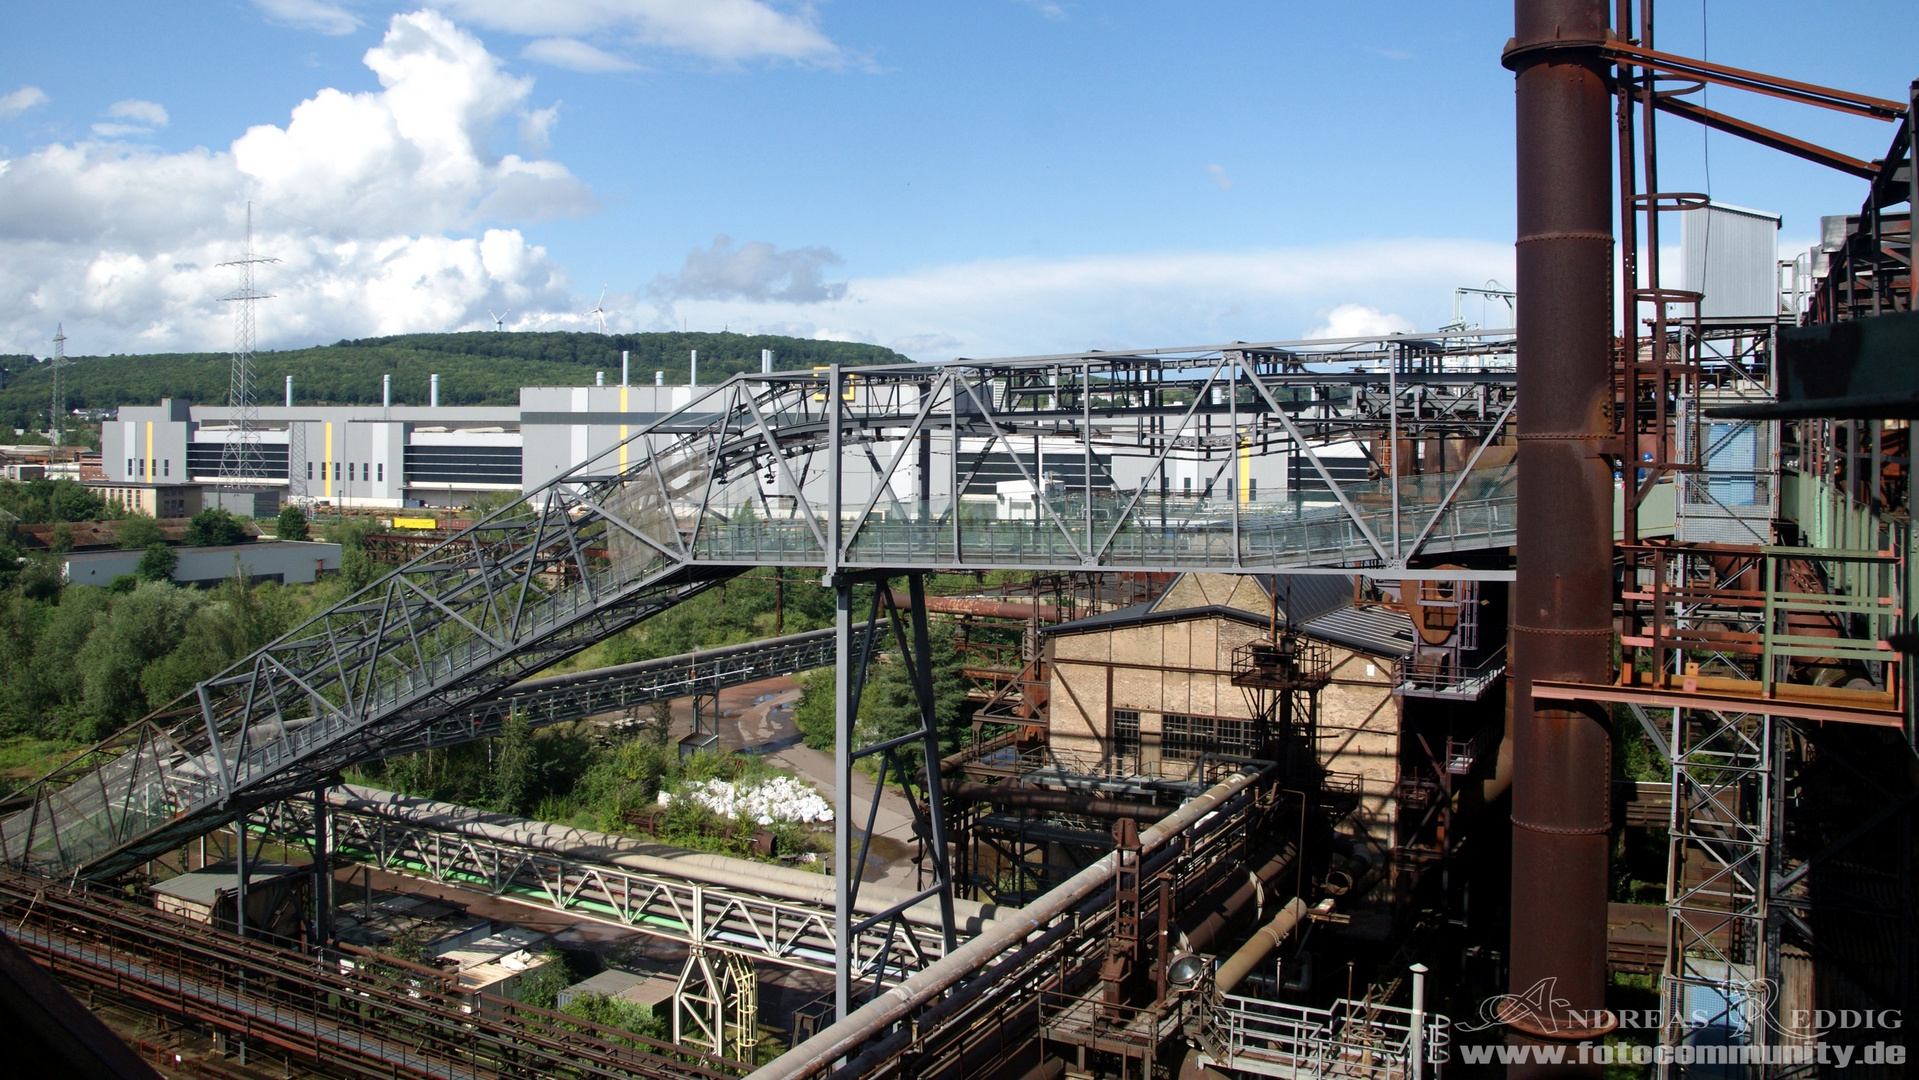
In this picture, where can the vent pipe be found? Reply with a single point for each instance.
(386, 391)
(433, 391)
(289, 391)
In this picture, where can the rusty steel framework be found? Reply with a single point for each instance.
(371, 1016)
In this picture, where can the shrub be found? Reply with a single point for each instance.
(158, 562)
(137, 532)
(213, 527)
(292, 524)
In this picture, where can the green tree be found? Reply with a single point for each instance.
(237, 620)
(39, 501)
(541, 987)
(138, 531)
(24, 700)
(138, 629)
(356, 566)
(213, 527)
(292, 524)
(63, 633)
(515, 775)
(157, 562)
(42, 578)
(616, 1013)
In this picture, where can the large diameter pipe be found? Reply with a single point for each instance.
(586, 845)
(1002, 936)
(979, 605)
(1220, 915)
(1562, 606)
(1263, 942)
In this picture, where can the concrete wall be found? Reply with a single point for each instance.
(285, 561)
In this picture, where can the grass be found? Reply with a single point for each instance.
(27, 757)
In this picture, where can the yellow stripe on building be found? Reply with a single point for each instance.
(148, 475)
(326, 467)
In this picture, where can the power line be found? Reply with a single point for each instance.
(242, 464)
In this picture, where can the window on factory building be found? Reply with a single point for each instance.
(366, 471)
(462, 464)
(309, 470)
(129, 466)
(166, 466)
(1187, 737)
(380, 475)
(1126, 736)
(349, 470)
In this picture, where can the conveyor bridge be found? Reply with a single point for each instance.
(855, 473)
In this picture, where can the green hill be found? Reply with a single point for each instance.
(475, 368)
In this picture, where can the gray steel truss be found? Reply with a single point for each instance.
(855, 472)
(671, 906)
(559, 698)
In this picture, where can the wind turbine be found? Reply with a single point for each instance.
(599, 309)
(499, 321)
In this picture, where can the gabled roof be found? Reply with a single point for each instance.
(1321, 605)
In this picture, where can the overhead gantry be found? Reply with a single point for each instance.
(1375, 453)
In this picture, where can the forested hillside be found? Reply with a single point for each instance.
(477, 368)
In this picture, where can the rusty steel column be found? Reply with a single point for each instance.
(1562, 605)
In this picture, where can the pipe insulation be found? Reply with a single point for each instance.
(1217, 915)
(1261, 945)
(1004, 935)
(640, 856)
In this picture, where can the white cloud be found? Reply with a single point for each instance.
(20, 101)
(386, 209)
(133, 110)
(729, 30)
(1358, 320)
(755, 271)
(131, 117)
(574, 55)
(1007, 307)
(1218, 173)
(316, 15)
(1049, 9)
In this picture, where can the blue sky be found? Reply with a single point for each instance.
(985, 178)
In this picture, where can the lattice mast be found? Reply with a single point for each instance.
(57, 407)
(242, 465)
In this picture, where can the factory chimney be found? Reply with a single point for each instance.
(1562, 595)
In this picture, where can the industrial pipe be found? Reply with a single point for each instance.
(975, 605)
(1220, 915)
(761, 879)
(1064, 802)
(1001, 936)
(1263, 942)
(1562, 592)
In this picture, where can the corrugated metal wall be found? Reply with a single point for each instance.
(1731, 255)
